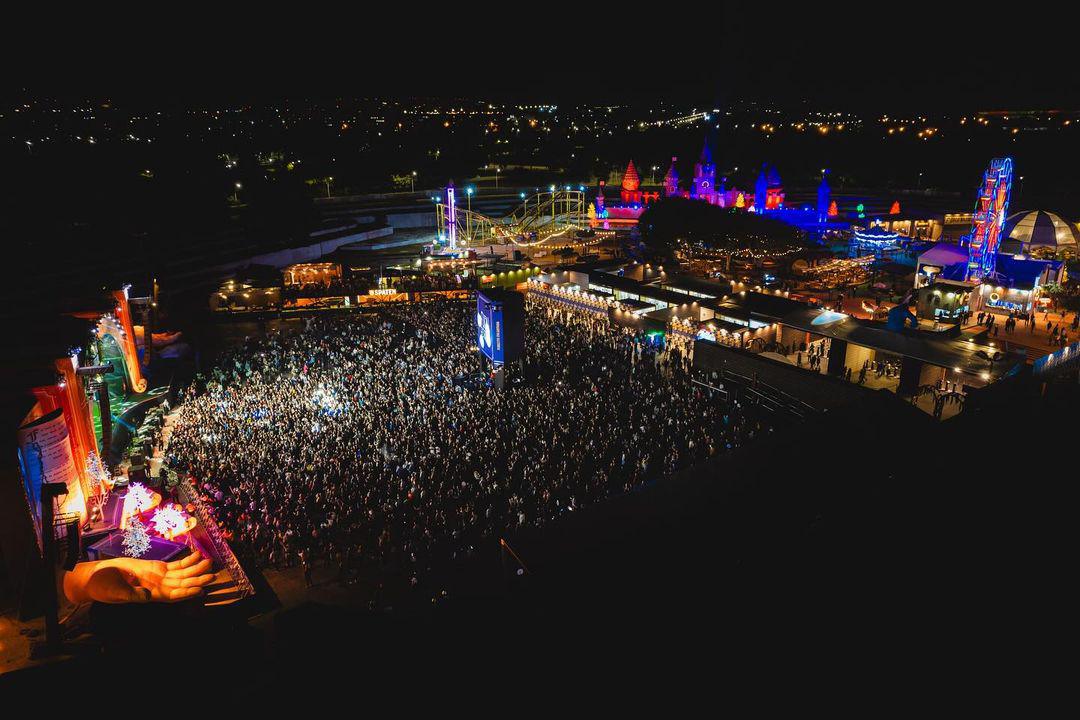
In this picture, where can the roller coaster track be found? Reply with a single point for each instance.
(541, 218)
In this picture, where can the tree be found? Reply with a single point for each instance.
(136, 540)
(169, 521)
(674, 220)
(1055, 291)
(96, 468)
(1065, 297)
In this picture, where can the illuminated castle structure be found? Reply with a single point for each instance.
(705, 187)
(631, 193)
(769, 188)
(633, 200)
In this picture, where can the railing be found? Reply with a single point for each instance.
(715, 389)
(205, 516)
(1067, 358)
(758, 385)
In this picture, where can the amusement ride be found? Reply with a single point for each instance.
(991, 209)
(540, 218)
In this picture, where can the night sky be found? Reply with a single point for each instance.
(838, 56)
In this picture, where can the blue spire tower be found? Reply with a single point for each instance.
(824, 195)
(761, 190)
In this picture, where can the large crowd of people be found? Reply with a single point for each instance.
(376, 437)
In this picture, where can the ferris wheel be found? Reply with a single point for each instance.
(991, 209)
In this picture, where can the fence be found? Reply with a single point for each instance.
(1064, 360)
(219, 545)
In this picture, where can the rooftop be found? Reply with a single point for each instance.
(944, 254)
(942, 352)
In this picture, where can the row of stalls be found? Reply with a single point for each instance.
(649, 298)
(934, 370)
(359, 281)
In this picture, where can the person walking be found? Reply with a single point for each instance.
(306, 566)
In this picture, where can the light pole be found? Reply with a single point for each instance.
(652, 178)
(328, 180)
(412, 182)
(468, 217)
(29, 148)
(438, 217)
(497, 178)
(1020, 194)
(920, 182)
(236, 190)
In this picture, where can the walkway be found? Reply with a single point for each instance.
(1036, 341)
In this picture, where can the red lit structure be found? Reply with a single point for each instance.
(633, 201)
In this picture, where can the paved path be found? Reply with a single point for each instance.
(1038, 340)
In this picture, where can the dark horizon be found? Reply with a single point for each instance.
(848, 59)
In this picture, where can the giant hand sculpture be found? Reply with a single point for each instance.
(129, 580)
